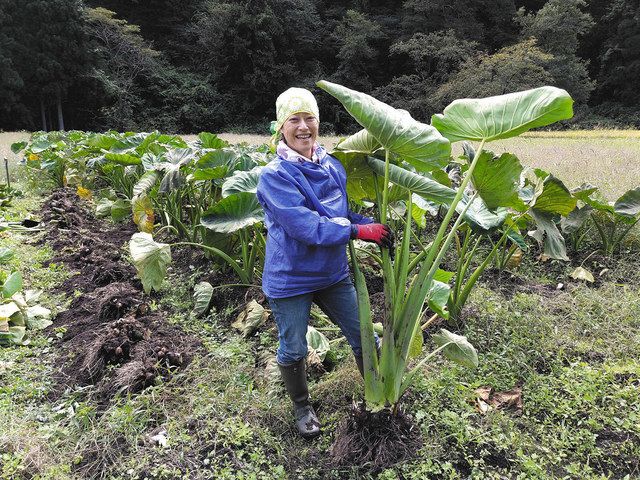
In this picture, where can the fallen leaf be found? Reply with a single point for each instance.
(582, 274)
(486, 400)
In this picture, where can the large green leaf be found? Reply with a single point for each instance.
(479, 217)
(591, 195)
(416, 183)
(548, 235)
(361, 141)
(123, 158)
(150, 258)
(503, 116)
(242, 181)
(497, 180)
(417, 143)
(175, 160)
(628, 205)
(572, 222)
(12, 284)
(211, 140)
(457, 348)
(360, 178)
(146, 183)
(120, 209)
(233, 213)
(202, 294)
(215, 164)
(554, 197)
(438, 298)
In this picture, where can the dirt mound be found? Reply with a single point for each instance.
(375, 441)
(111, 339)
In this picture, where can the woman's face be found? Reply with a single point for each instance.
(300, 132)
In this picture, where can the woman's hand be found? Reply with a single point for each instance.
(374, 232)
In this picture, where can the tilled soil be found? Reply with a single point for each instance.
(111, 339)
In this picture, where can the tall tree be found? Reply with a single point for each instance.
(256, 49)
(620, 58)
(557, 27)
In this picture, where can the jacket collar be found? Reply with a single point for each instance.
(284, 151)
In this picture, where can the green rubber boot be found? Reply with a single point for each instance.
(295, 381)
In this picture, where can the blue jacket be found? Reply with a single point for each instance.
(309, 224)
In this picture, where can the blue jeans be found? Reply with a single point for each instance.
(339, 302)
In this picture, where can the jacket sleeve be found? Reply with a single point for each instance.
(285, 204)
(359, 219)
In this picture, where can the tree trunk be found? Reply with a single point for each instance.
(60, 117)
(43, 115)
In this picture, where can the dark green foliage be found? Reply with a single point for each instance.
(217, 65)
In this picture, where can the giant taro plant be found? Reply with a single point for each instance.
(411, 150)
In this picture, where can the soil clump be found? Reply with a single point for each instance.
(111, 338)
(375, 441)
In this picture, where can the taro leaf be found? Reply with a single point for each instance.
(581, 273)
(480, 218)
(146, 182)
(317, 343)
(6, 254)
(242, 181)
(230, 214)
(211, 140)
(360, 179)
(143, 215)
(202, 294)
(417, 143)
(503, 116)
(8, 309)
(628, 205)
(572, 222)
(175, 159)
(518, 240)
(15, 335)
(17, 146)
(38, 317)
(251, 318)
(425, 187)
(361, 141)
(12, 284)
(123, 158)
(120, 209)
(438, 298)
(150, 258)
(497, 180)
(554, 197)
(549, 235)
(103, 208)
(215, 164)
(419, 207)
(458, 348)
(583, 191)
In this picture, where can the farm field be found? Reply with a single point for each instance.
(131, 383)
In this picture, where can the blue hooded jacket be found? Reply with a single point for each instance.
(309, 224)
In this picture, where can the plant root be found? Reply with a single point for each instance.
(375, 441)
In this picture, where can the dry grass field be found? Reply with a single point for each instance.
(609, 159)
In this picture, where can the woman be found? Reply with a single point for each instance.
(303, 193)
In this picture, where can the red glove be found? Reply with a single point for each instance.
(374, 232)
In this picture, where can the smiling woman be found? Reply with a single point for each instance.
(303, 193)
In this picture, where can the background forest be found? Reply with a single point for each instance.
(193, 65)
